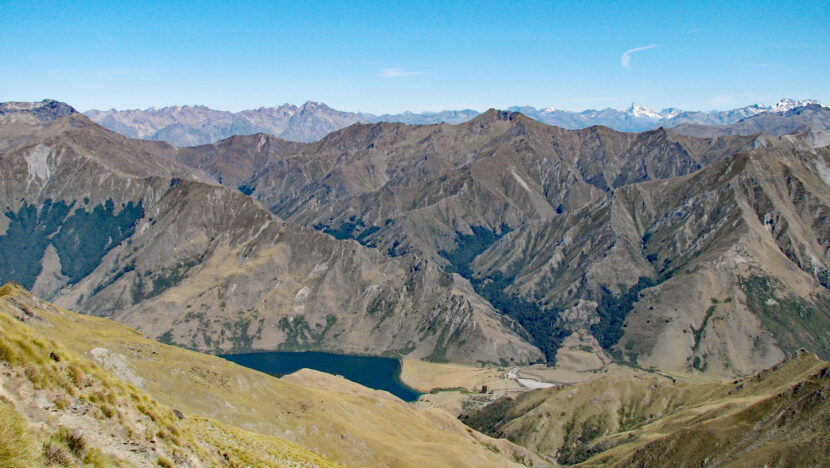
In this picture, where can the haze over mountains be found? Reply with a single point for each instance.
(195, 125)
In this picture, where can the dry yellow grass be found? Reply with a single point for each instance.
(428, 376)
(359, 428)
(80, 413)
(657, 420)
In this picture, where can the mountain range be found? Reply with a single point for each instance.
(118, 228)
(682, 270)
(500, 239)
(195, 125)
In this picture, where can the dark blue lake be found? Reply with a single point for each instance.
(374, 372)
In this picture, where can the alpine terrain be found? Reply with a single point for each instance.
(576, 296)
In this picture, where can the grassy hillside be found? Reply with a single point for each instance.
(59, 407)
(779, 417)
(58, 364)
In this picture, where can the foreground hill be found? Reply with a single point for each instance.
(778, 417)
(78, 388)
(83, 390)
(116, 227)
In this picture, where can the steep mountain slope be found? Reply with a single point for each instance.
(196, 125)
(500, 168)
(114, 227)
(777, 417)
(721, 270)
(547, 223)
(126, 382)
(590, 231)
(656, 249)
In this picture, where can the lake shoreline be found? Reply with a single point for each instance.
(375, 372)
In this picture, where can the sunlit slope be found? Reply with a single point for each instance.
(780, 416)
(345, 422)
(58, 406)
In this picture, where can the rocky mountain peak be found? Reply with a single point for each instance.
(787, 104)
(46, 110)
(496, 115)
(314, 106)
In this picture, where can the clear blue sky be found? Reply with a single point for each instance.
(425, 55)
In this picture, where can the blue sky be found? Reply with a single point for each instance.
(427, 55)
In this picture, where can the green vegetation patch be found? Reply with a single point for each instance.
(141, 289)
(613, 311)
(470, 246)
(355, 229)
(698, 332)
(793, 321)
(87, 236)
(25, 241)
(17, 447)
(541, 326)
(81, 239)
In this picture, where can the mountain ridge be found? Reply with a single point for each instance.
(492, 198)
(107, 232)
(486, 240)
(195, 125)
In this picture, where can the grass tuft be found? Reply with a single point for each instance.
(16, 445)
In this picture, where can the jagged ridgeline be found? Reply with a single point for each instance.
(119, 228)
(492, 240)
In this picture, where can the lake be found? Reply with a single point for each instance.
(378, 373)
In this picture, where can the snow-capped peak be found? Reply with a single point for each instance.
(549, 109)
(788, 104)
(642, 111)
(670, 112)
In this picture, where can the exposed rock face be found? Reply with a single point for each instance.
(672, 251)
(44, 111)
(591, 230)
(118, 228)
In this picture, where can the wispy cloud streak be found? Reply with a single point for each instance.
(387, 73)
(625, 60)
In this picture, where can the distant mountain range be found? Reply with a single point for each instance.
(195, 125)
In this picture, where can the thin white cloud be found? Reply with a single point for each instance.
(386, 73)
(625, 60)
